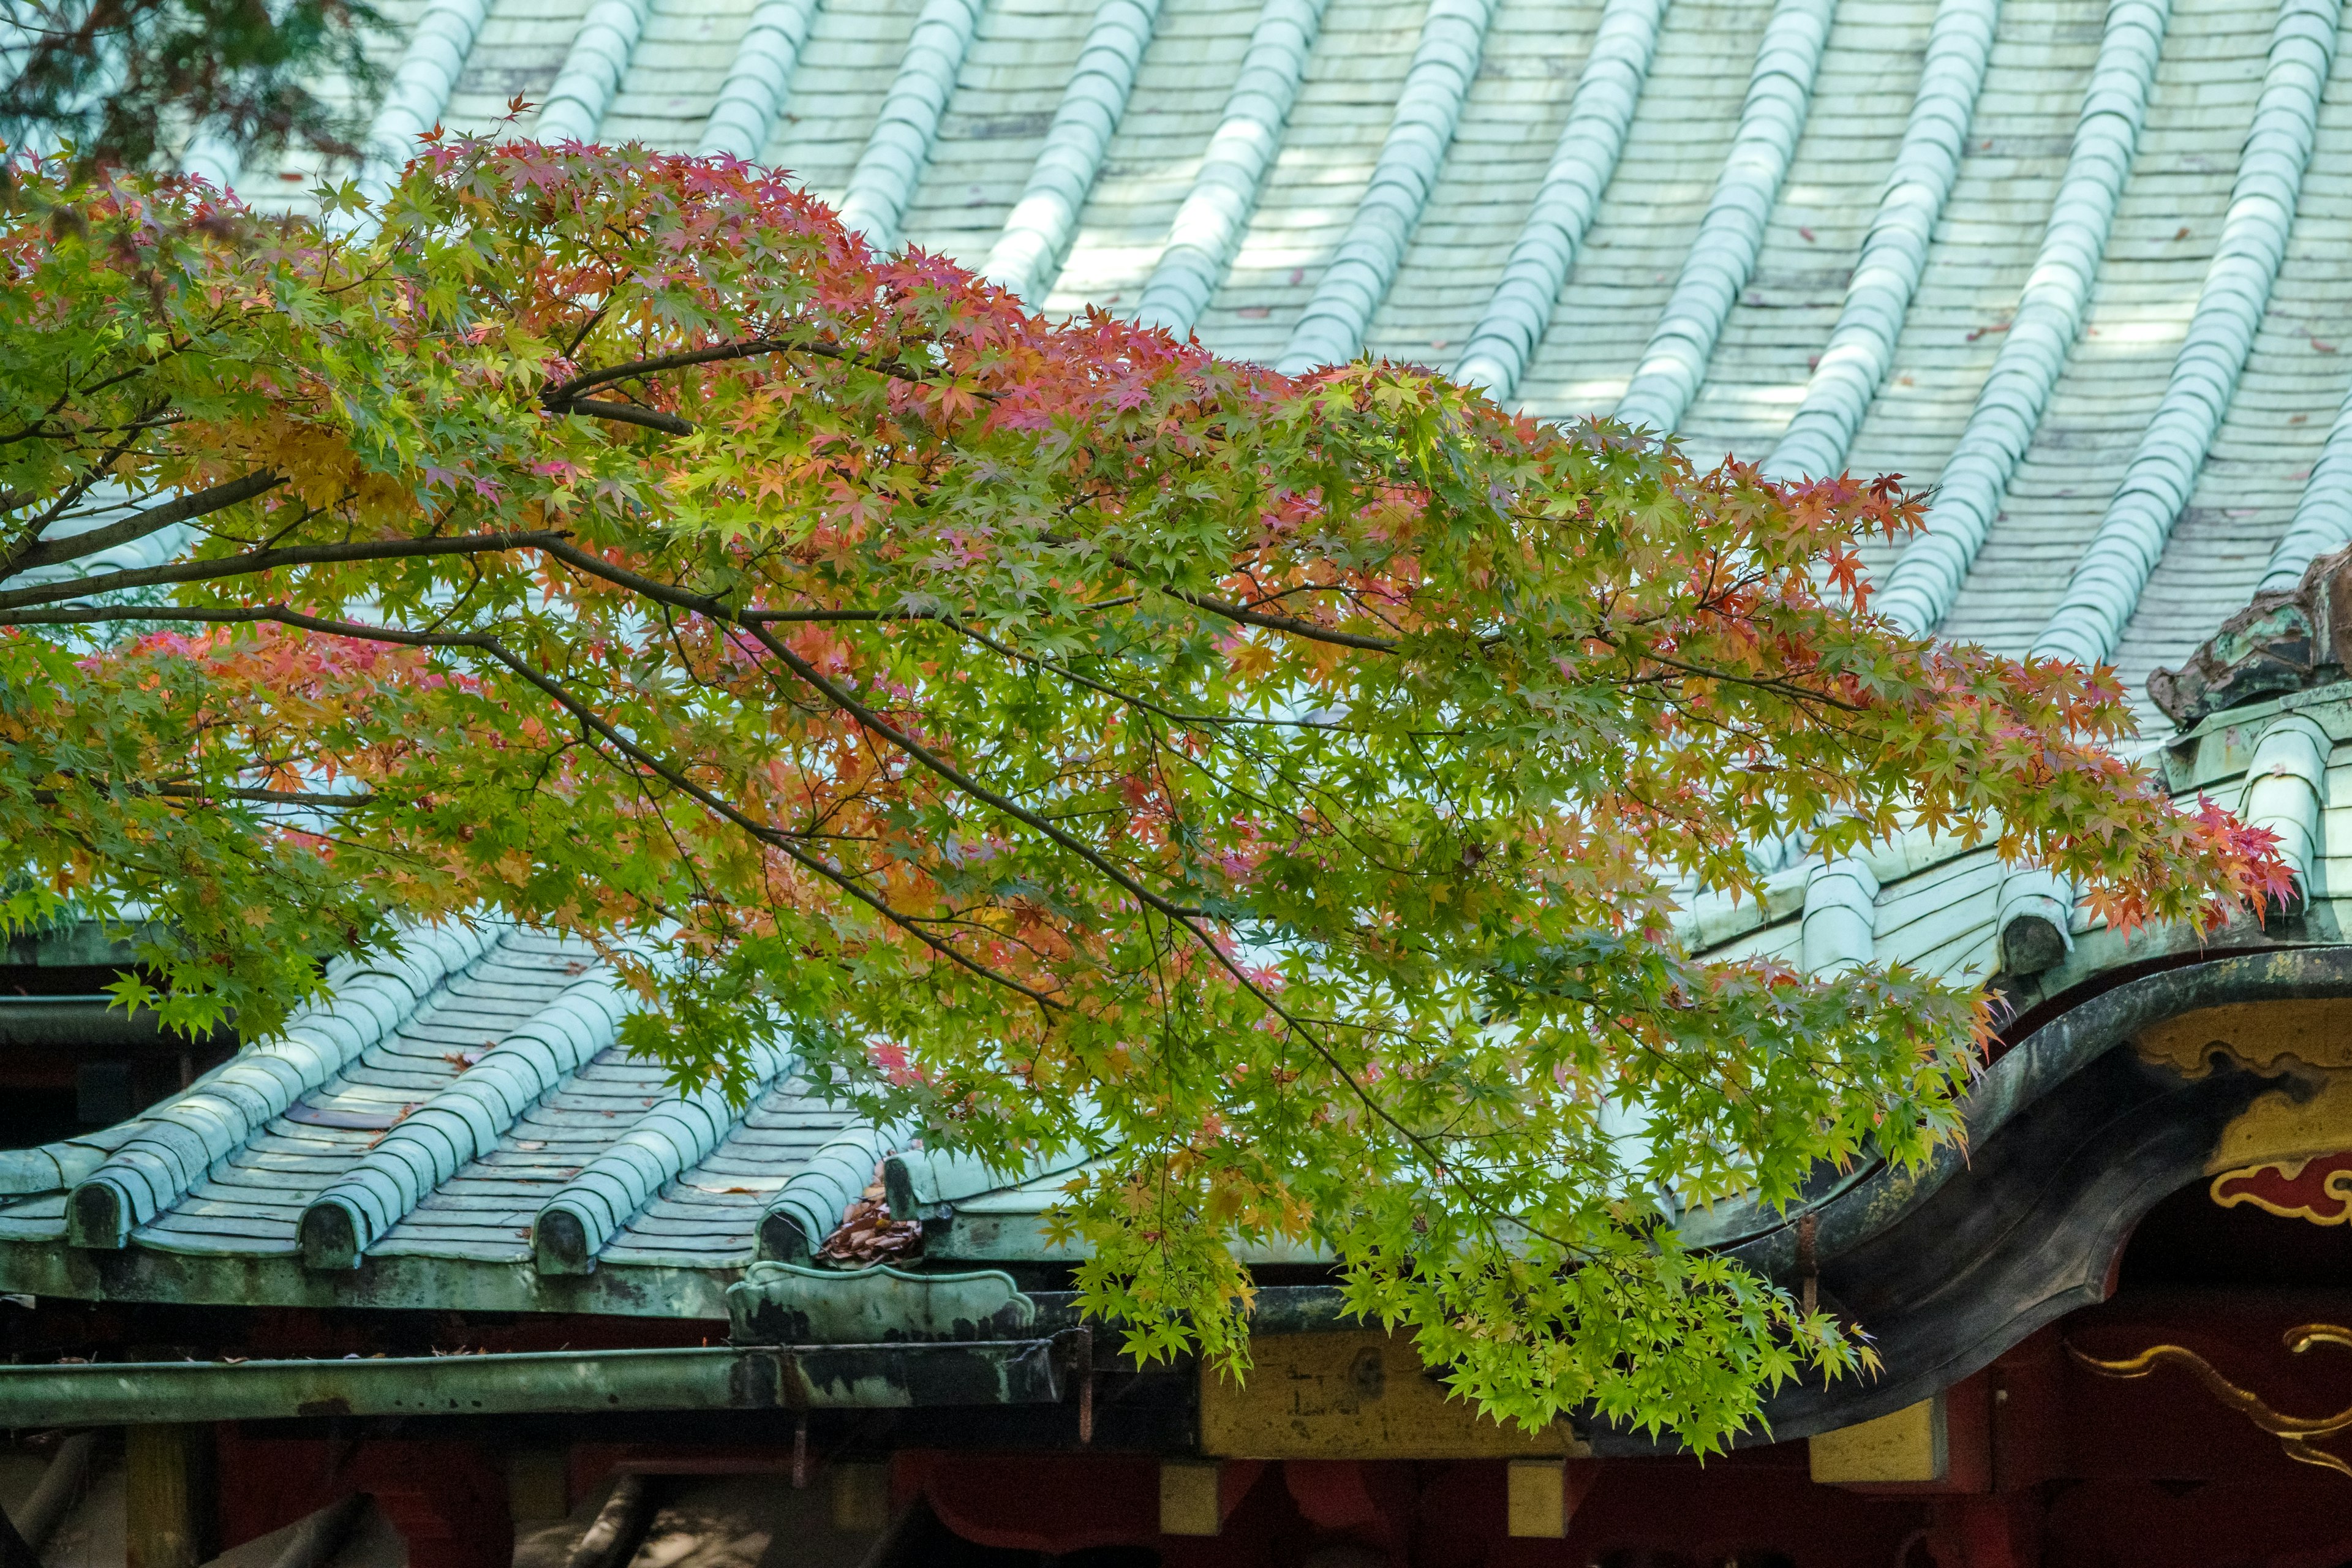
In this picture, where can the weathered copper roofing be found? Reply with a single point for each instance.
(459, 1128)
(429, 1113)
(2081, 264)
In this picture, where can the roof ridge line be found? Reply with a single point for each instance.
(218, 1113)
(590, 77)
(1029, 250)
(810, 1204)
(1363, 266)
(1207, 230)
(759, 83)
(418, 94)
(898, 149)
(2322, 524)
(433, 1141)
(571, 1230)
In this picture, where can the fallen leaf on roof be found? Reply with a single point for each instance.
(867, 1233)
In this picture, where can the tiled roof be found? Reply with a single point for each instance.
(457, 1127)
(435, 1109)
(2083, 263)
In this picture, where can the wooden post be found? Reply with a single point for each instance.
(167, 1495)
(861, 1498)
(535, 1485)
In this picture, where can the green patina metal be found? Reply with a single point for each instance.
(809, 1204)
(668, 1200)
(49, 1168)
(1874, 1196)
(833, 1377)
(173, 1149)
(574, 1225)
(786, 1303)
(446, 1134)
(382, 1281)
(70, 943)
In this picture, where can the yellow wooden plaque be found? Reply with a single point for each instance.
(1537, 1502)
(1907, 1446)
(1188, 1501)
(1354, 1395)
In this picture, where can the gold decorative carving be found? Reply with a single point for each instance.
(2268, 1038)
(2294, 1433)
(2303, 1123)
(2306, 1042)
(2317, 1189)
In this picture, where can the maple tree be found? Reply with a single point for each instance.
(1277, 787)
(127, 82)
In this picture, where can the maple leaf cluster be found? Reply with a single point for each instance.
(1273, 787)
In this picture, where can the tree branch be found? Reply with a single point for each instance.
(1186, 918)
(259, 561)
(554, 690)
(140, 524)
(1298, 628)
(1243, 614)
(24, 543)
(663, 593)
(630, 413)
(200, 795)
(561, 396)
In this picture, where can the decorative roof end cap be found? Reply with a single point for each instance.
(97, 1215)
(2281, 642)
(330, 1236)
(558, 1242)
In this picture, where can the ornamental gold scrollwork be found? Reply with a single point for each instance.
(2294, 1433)
(2317, 1189)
